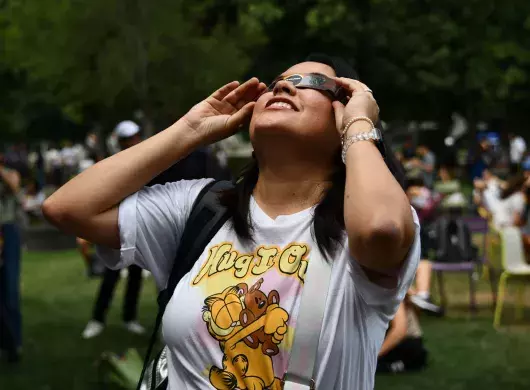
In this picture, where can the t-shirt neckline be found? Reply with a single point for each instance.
(258, 213)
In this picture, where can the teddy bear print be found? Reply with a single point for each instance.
(256, 303)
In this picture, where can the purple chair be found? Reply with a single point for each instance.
(476, 225)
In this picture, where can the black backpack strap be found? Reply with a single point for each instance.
(206, 218)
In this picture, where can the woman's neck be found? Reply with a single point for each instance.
(284, 191)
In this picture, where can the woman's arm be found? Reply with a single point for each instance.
(397, 331)
(11, 178)
(377, 212)
(87, 206)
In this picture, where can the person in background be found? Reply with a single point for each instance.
(11, 324)
(444, 174)
(426, 163)
(486, 188)
(408, 159)
(32, 199)
(425, 203)
(92, 152)
(517, 151)
(448, 189)
(93, 264)
(403, 348)
(524, 221)
(17, 155)
(54, 166)
(112, 144)
(68, 157)
(508, 208)
(484, 157)
(93, 148)
(40, 168)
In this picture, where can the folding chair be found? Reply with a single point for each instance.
(515, 268)
(478, 228)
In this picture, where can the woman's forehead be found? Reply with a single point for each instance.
(310, 67)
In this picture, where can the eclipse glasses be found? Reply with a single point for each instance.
(316, 81)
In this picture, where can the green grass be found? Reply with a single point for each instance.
(465, 352)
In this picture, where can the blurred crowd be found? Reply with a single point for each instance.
(29, 176)
(489, 182)
(492, 181)
(48, 165)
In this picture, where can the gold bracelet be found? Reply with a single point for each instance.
(352, 121)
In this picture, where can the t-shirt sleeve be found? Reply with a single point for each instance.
(151, 223)
(389, 299)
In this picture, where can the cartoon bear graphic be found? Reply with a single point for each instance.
(243, 367)
(256, 304)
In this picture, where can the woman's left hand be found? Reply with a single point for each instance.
(361, 103)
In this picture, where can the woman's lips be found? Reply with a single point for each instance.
(281, 106)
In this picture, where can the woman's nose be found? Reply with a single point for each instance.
(284, 86)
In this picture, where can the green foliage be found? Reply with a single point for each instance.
(101, 60)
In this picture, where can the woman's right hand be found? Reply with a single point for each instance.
(222, 114)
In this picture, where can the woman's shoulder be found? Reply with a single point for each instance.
(180, 192)
(182, 185)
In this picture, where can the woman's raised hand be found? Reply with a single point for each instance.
(361, 103)
(222, 114)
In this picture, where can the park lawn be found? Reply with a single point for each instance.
(465, 353)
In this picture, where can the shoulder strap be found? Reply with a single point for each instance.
(206, 218)
(300, 371)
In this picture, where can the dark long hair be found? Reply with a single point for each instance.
(328, 219)
(513, 185)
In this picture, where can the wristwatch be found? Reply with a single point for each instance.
(375, 135)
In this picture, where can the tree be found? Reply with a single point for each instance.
(101, 60)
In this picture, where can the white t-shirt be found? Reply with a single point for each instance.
(504, 210)
(517, 149)
(68, 155)
(53, 159)
(232, 318)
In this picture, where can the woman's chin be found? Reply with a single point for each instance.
(276, 121)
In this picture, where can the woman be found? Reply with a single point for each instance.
(507, 206)
(403, 349)
(296, 203)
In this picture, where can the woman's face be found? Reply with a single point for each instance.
(296, 115)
